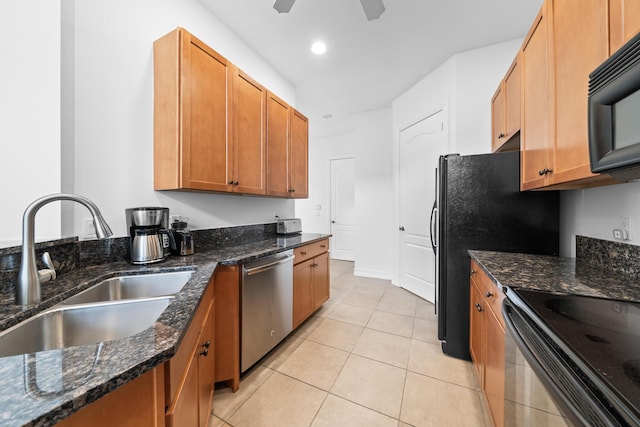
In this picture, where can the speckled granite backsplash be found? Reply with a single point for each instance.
(71, 253)
(613, 256)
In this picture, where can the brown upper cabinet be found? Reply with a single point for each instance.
(249, 155)
(299, 154)
(212, 126)
(580, 43)
(568, 40)
(191, 87)
(287, 150)
(625, 22)
(534, 135)
(277, 146)
(505, 111)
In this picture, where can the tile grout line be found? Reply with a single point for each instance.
(320, 319)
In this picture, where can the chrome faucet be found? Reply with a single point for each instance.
(29, 278)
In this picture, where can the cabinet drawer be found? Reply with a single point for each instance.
(489, 290)
(311, 250)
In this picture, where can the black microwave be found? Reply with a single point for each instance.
(614, 114)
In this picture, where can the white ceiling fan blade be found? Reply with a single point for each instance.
(283, 6)
(372, 8)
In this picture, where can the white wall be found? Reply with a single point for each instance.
(321, 151)
(29, 114)
(110, 118)
(371, 145)
(114, 110)
(595, 212)
(374, 195)
(426, 97)
(478, 74)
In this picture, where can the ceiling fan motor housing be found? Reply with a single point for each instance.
(373, 9)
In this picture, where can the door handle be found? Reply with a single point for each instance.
(265, 267)
(401, 228)
(434, 212)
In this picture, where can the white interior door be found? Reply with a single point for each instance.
(343, 179)
(420, 147)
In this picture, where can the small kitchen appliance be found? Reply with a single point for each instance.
(149, 238)
(289, 226)
(614, 129)
(182, 237)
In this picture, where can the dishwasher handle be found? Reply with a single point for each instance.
(266, 267)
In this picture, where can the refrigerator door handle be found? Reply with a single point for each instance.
(434, 213)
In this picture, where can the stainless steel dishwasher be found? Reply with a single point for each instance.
(267, 305)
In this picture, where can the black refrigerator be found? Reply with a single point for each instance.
(479, 206)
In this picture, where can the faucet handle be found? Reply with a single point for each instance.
(48, 274)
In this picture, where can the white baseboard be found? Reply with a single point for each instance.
(374, 274)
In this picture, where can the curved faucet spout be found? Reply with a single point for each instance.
(28, 286)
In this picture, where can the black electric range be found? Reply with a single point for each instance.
(600, 340)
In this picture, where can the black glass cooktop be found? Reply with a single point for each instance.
(604, 333)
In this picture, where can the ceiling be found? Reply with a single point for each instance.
(368, 63)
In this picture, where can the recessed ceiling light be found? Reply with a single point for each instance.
(318, 48)
(327, 116)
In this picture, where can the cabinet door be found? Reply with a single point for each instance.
(137, 403)
(277, 146)
(536, 156)
(183, 411)
(299, 143)
(206, 366)
(227, 325)
(205, 150)
(302, 293)
(494, 367)
(249, 139)
(320, 280)
(580, 45)
(512, 100)
(624, 22)
(497, 119)
(476, 332)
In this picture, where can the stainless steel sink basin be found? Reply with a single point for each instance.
(130, 287)
(67, 326)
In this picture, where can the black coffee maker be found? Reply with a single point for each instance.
(182, 237)
(149, 239)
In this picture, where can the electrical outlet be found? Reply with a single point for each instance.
(620, 234)
(625, 225)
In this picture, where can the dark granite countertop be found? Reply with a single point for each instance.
(556, 274)
(43, 388)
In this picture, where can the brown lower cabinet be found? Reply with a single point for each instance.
(227, 324)
(310, 279)
(189, 375)
(137, 403)
(486, 340)
(177, 393)
(310, 291)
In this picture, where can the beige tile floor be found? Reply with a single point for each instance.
(369, 357)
